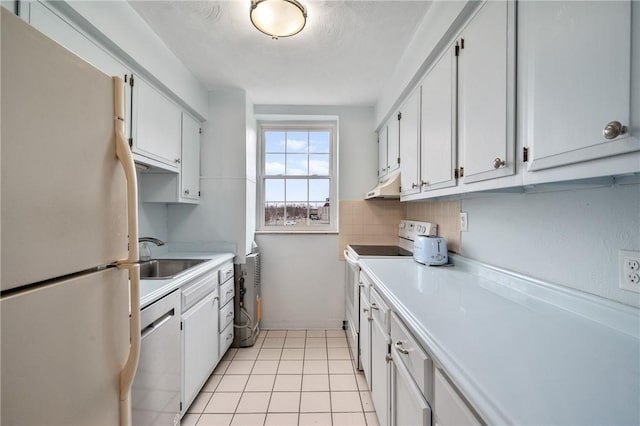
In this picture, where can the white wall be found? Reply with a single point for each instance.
(570, 238)
(123, 31)
(302, 281)
(302, 278)
(221, 215)
(431, 35)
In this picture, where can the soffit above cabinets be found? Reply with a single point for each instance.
(344, 55)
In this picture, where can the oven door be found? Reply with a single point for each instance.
(352, 298)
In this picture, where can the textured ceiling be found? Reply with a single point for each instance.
(344, 56)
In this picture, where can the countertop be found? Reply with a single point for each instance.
(522, 352)
(152, 290)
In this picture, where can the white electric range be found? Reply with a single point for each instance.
(407, 231)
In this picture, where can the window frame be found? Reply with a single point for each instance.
(293, 126)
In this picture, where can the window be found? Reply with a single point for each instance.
(297, 178)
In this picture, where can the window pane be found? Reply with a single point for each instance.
(297, 141)
(319, 213)
(274, 214)
(319, 164)
(319, 142)
(297, 190)
(297, 164)
(319, 190)
(274, 164)
(274, 190)
(296, 213)
(274, 141)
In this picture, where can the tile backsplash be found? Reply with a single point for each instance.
(376, 221)
(444, 213)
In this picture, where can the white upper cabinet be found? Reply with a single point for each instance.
(438, 118)
(393, 145)
(576, 83)
(388, 148)
(410, 144)
(486, 94)
(382, 151)
(190, 173)
(157, 127)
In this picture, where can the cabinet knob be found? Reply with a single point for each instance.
(365, 310)
(614, 129)
(414, 185)
(177, 160)
(497, 163)
(423, 183)
(387, 357)
(374, 307)
(186, 191)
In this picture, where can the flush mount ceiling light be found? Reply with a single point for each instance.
(278, 18)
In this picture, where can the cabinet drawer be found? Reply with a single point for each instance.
(414, 358)
(226, 272)
(379, 312)
(227, 292)
(226, 338)
(199, 288)
(450, 408)
(226, 314)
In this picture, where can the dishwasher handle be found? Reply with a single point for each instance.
(157, 323)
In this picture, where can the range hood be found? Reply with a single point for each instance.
(389, 188)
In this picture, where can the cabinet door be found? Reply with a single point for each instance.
(200, 346)
(408, 407)
(438, 141)
(571, 94)
(393, 145)
(190, 171)
(450, 409)
(365, 337)
(380, 372)
(486, 95)
(157, 126)
(382, 151)
(410, 144)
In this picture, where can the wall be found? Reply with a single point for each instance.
(303, 279)
(570, 238)
(443, 213)
(152, 217)
(221, 216)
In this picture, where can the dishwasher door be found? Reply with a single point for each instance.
(156, 388)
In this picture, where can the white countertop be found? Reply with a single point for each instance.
(519, 356)
(152, 290)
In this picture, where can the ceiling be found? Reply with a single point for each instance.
(344, 55)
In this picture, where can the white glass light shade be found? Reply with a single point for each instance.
(278, 18)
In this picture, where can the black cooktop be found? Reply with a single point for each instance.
(363, 250)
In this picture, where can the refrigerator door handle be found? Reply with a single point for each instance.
(123, 152)
(128, 372)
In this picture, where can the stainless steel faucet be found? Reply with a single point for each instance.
(145, 251)
(151, 240)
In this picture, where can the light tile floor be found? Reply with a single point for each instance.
(289, 377)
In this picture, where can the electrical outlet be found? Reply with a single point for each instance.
(464, 224)
(629, 270)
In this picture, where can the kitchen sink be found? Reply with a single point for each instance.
(161, 269)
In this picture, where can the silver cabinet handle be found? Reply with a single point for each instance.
(360, 285)
(613, 129)
(423, 183)
(388, 357)
(375, 307)
(497, 163)
(365, 309)
(230, 314)
(186, 191)
(177, 160)
(400, 349)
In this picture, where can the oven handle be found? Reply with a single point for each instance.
(351, 261)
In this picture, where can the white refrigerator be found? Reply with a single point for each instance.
(69, 302)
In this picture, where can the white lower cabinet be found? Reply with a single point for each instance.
(450, 409)
(365, 333)
(379, 358)
(200, 345)
(411, 378)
